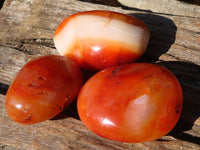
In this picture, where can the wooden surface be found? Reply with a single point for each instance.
(26, 31)
(176, 7)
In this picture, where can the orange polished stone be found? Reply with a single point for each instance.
(100, 39)
(98, 57)
(131, 103)
(43, 88)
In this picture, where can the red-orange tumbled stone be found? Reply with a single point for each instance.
(131, 103)
(44, 87)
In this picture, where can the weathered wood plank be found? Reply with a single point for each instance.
(26, 31)
(177, 7)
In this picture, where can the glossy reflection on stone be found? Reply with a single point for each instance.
(100, 39)
(43, 88)
(134, 103)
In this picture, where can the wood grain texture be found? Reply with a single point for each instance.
(176, 7)
(26, 31)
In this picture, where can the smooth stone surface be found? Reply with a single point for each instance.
(100, 39)
(134, 103)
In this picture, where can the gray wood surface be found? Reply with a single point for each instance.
(26, 31)
(176, 7)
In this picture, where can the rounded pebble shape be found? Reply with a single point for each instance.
(131, 103)
(44, 87)
(100, 39)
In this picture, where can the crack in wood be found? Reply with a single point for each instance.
(20, 45)
(39, 41)
(177, 58)
(191, 48)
